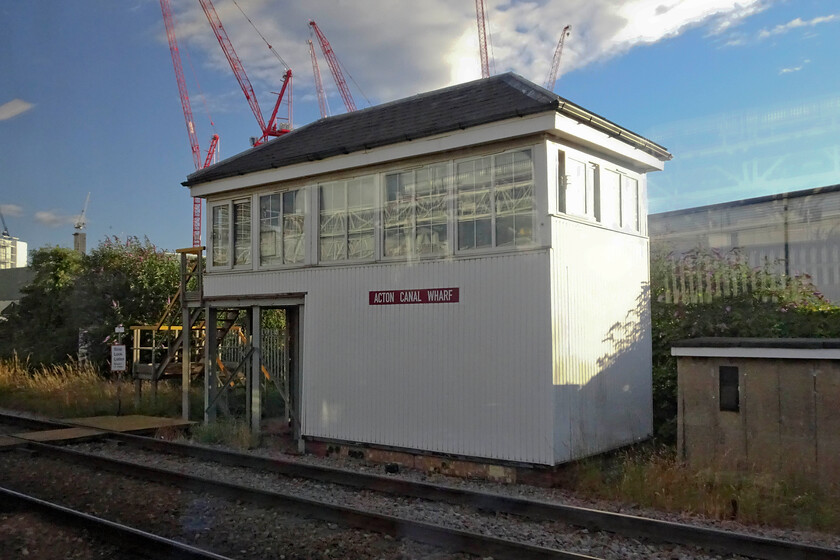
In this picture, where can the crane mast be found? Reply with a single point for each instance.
(555, 63)
(332, 61)
(267, 129)
(5, 228)
(482, 38)
(319, 87)
(169, 23)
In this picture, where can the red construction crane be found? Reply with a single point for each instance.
(335, 68)
(555, 64)
(169, 22)
(272, 127)
(482, 38)
(319, 87)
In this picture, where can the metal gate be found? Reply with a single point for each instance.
(274, 361)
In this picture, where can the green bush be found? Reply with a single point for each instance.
(709, 293)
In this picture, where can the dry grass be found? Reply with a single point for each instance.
(232, 433)
(74, 390)
(654, 478)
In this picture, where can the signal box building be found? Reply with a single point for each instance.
(465, 272)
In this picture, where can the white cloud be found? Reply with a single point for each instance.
(54, 218)
(794, 68)
(11, 210)
(795, 24)
(14, 108)
(393, 51)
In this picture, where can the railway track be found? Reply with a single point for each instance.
(721, 542)
(139, 544)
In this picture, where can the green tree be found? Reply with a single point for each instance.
(120, 282)
(124, 283)
(38, 326)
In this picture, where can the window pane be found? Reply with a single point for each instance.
(575, 191)
(514, 197)
(293, 226)
(399, 214)
(242, 233)
(729, 388)
(332, 228)
(610, 199)
(629, 203)
(221, 235)
(346, 221)
(270, 232)
(473, 184)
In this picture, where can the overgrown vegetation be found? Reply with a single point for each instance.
(712, 293)
(652, 477)
(229, 432)
(119, 282)
(72, 390)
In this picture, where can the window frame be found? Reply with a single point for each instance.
(455, 216)
(376, 212)
(591, 190)
(230, 205)
(302, 192)
(411, 253)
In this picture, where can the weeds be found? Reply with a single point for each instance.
(76, 390)
(232, 433)
(655, 478)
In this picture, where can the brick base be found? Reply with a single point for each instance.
(462, 468)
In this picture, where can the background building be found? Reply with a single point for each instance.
(13, 253)
(799, 232)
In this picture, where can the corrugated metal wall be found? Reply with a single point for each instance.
(469, 378)
(601, 338)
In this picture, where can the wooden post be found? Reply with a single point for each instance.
(138, 383)
(186, 353)
(211, 381)
(255, 373)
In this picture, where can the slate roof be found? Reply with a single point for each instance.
(457, 107)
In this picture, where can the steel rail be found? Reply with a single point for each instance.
(627, 525)
(655, 530)
(125, 537)
(397, 527)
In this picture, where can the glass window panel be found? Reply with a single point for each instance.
(221, 235)
(483, 233)
(416, 213)
(271, 242)
(294, 214)
(575, 191)
(346, 221)
(629, 203)
(494, 194)
(610, 199)
(241, 233)
(505, 231)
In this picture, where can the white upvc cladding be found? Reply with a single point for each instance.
(601, 338)
(469, 378)
(545, 358)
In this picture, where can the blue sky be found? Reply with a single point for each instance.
(745, 93)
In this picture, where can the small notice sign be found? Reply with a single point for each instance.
(402, 297)
(118, 357)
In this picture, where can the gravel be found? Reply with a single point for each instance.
(541, 533)
(28, 535)
(560, 496)
(229, 528)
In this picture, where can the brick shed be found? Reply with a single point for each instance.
(760, 404)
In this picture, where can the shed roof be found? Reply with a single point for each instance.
(453, 108)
